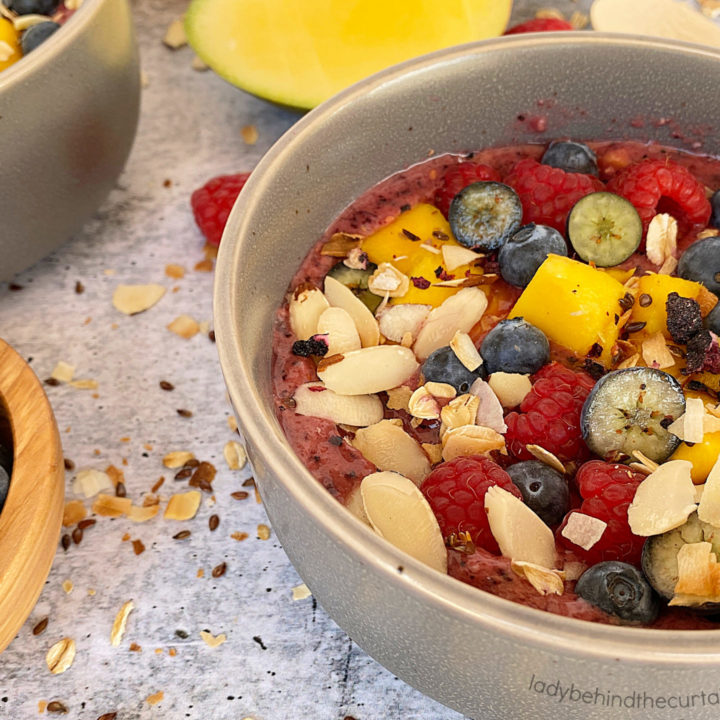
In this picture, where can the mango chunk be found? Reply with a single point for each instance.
(11, 51)
(702, 456)
(404, 243)
(657, 288)
(575, 305)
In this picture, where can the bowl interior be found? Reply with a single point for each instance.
(513, 90)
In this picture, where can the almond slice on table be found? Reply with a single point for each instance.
(315, 400)
(471, 440)
(423, 405)
(520, 533)
(338, 295)
(339, 327)
(458, 313)
(397, 320)
(368, 370)
(490, 412)
(399, 512)
(387, 446)
(306, 306)
(663, 500)
(133, 299)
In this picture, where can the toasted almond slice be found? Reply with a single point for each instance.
(649, 464)
(342, 335)
(520, 533)
(689, 426)
(399, 512)
(709, 508)
(235, 455)
(90, 482)
(184, 326)
(388, 447)
(663, 500)
(399, 397)
(183, 506)
(459, 312)
(423, 405)
(177, 458)
(471, 440)
(338, 295)
(397, 320)
(544, 580)
(60, 656)
(433, 451)
(306, 306)
(460, 411)
(133, 299)
(73, 512)
(388, 281)
(629, 362)
(455, 255)
(490, 412)
(655, 352)
(315, 400)
(661, 238)
(583, 530)
(118, 627)
(545, 456)
(465, 351)
(698, 575)
(369, 370)
(441, 390)
(111, 506)
(510, 388)
(340, 245)
(143, 513)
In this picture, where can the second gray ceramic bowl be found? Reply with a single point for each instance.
(68, 114)
(480, 654)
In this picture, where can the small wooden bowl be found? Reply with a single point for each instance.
(31, 518)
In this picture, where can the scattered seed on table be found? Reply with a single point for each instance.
(55, 706)
(213, 522)
(183, 473)
(182, 634)
(108, 716)
(120, 490)
(66, 541)
(182, 412)
(211, 335)
(53, 382)
(86, 523)
(239, 495)
(182, 535)
(219, 570)
(69, 464)
(79, 288)
(165, 385)
(158, 484)
(250, 482)
(40, 627)
(77, 535)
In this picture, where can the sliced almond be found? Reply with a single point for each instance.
(73, 512)
(340, 245)
(399, 397)
(460, 411)
(399, 512)
(423, 405)
(388, 447)
(698, 576)
(661, 238)
(520, 533)
(339, 327)
(388, 281)
(23, 22)
(629, 362)
(398, 320)
(90, 482)
(60, 656)
(490, 412)
(689, 426)
(338, 295)
(306, 306)
(655, 352)
(546, 457)
(235, 455)
(354, 504)
(471, 440)
(143, 513)
(583, 530)
(315, 400)
(177, 458)
(184, 326)
(211, 640)
(369, 370)
(459, 312)
(455, 255)
(510, 388)
(668, 267)
(118, 627)
(709, 508)
(465, 351)
(441, 390)
(111, 506)
(663, 500)
(544, 580)
(133, 299)
(183, 506)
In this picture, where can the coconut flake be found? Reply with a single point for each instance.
(90, 482)
(388, 280)
(698, 575)
(465, 351)
(544, 580)
(423, 405)
(399, 512)
(583, 530)
(133, 299)
(709, 507)
(510, 388)
(460, 411)
(399, 397)
(455, 256)
(690, 425)
(471, 440)
(655, 352)
(490, 412)
(663, 500)
(520, 533)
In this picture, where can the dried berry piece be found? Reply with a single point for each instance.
(683, 318)
(697, 349)
(313, 346)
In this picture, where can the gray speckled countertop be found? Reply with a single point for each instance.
(283, 657)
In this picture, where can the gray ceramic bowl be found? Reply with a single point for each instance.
(68, 114)
(482, 655)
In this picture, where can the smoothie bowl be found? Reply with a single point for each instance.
(466, 643)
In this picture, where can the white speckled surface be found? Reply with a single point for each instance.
(282, 658)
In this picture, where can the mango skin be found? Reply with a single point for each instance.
(702, 456)
(575, 305)
(390, 244)
(658, 287)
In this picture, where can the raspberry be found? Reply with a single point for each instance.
(460, 176)
(548, 193)
(211, 204)
(550, 414)
(456, 493)
(539, 25)
(654, 186)
(607, 490)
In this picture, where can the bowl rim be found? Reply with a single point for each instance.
(435, 591)
(53, 46)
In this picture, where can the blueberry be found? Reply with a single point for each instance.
(36, 35)
(712, 320)
(443, 366)
(715, 204)
(484, 215)
(619, 589)
(515, 346)
(526, 250)
(701, 262)
(571, 157)
(33, 7)
(544, 490)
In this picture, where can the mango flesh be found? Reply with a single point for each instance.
(702, 456)
(9, 36)
(394, 244)
(575, 305)
(298, 53)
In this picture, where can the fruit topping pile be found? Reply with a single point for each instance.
(518, 369)
(25, 24)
